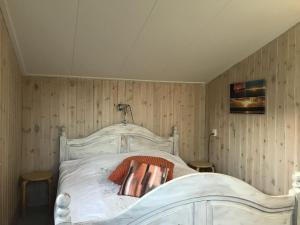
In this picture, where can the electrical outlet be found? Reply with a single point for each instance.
(214, 132)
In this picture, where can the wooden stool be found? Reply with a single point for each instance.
(202, 165)
(36, 176)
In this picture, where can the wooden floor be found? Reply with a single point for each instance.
(36, 216)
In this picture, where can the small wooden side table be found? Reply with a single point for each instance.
(202, 165)
(36, 176)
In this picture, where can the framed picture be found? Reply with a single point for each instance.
(248, 97)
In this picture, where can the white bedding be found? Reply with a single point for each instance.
(94, 197)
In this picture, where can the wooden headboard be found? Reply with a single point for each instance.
(118, 138)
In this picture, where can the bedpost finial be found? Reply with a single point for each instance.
(63, 131)
(296, 183)
(62, 214)
(296, 180)
(175, 131)
(295, 192)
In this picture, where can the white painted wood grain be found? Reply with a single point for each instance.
(206, 199)
(116, 139)
(195, 199)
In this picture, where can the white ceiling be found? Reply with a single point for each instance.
(166, 40)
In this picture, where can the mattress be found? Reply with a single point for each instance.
(93, 196)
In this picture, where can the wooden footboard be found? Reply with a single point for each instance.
(204, 199)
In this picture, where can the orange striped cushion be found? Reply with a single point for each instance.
(142, 178)
(118, 175)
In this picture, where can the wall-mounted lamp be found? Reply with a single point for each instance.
(125, 109)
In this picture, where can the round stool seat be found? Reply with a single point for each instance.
(201, 164)
(198, 165)
(37, 176)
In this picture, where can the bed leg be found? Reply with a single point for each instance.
(296, 192)
(63, 145)
(62, 213)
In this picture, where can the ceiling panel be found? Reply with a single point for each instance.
(170, 47)
(45, 32)
(106, 32)
(241, 29)
(197, 40)
(169, 40)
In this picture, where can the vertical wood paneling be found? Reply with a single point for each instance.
(271, 79)
(290, 105)
(297, 99)
(199, 133)
(54, 121)
(10, 127)
(142, 103)
(163, 108)
(280, 119)
(261, 149)
(85, 105)
(71, 110)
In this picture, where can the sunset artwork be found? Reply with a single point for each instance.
(248, 97)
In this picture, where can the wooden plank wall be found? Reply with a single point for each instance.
(85, 105)
(260, 149)
(10, 127)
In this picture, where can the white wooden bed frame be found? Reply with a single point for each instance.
(196, 199)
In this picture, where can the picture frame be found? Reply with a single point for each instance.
(248, 97)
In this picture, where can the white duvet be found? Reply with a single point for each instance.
(93, 196)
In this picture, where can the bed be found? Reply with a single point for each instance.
(86, 197)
